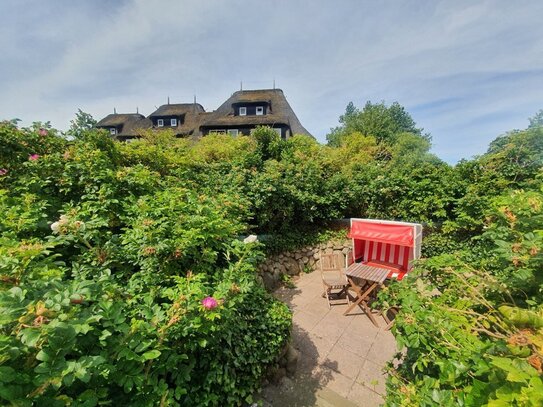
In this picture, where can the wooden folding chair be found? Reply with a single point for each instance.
(334, 280)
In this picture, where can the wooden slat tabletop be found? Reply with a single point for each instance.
(368, 273)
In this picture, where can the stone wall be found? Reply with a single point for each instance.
(292, 263)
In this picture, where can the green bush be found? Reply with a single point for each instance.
(120, 285)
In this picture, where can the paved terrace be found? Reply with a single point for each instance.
(341, 356)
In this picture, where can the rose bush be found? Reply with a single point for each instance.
(119, 285)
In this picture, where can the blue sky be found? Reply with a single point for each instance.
(467, 71)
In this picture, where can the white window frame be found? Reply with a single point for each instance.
(217, 131)
(160, 122)
(260, 110)
(233, 132)
(243, 111)
(113, 131)
(173, 122)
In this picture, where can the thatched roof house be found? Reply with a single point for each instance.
(246, 109)
(124, 126)
(240, 114)
(182, 118)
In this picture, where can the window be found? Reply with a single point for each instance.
(243, 111)
(218, 131)
(259, 110)
(160, 122)
(173, 122)
(277, 130)
(233, 132)
(113, 131)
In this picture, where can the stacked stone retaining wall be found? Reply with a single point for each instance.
(294, 262)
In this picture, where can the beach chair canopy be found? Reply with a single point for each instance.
(389, 244)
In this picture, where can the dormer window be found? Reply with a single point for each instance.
(173, 122)
(113, 131)
(243, 111)
(160, 122)
(259, 110)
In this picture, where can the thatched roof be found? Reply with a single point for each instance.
(116, 119)
(194, 117)
(177, 109)
(131, 123)
(279, 111)
(190, 113)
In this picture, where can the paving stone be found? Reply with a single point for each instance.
(341, 357)
(335, 381)
(344, 361)
(382, 350)
(306, 320)
(331, 327)
(371, 375)
(365, 397)
(316, 348)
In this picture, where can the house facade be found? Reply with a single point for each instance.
(238, 115)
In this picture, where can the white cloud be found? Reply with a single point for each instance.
(485, 58)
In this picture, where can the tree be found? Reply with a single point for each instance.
(377, 120)
(82, 122)
(537, 120)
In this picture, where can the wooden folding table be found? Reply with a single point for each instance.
(371, 278)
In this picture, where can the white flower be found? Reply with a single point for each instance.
(250, 239)
(55, 227)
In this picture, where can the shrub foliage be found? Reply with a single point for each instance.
(124, 279)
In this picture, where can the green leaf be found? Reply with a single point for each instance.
(43, 356)
(152, 354)
(30, 336)
(7, 374)
(498, 403)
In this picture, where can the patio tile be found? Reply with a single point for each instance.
(317, 305)
(341, 356)
(344, 361)
(361, 326)
(306, 320)
(363, 396)
(371, 375)
(329, 398)
(314, 351)
(382, 350)
(335, 381)
(331, 326)
(298, 303)
(359, 346)
(359, 336)
(297, 335)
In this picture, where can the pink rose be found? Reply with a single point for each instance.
(42, 132)
(3, 171)
(33, 157)
(209, 303)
